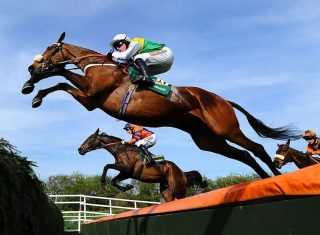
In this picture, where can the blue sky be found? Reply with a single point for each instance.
(263, 55)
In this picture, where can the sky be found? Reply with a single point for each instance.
(263, 55)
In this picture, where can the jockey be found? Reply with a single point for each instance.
(150, 57)
(142, 138)
(313, 147)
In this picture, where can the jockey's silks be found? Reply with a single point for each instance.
(148, 46)
(138, 133)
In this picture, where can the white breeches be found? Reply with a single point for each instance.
(147, 142)
(157, 61)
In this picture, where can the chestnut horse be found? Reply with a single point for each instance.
(207, 117)
(286, 154)
(173, 181)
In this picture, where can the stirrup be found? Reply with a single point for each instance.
(149, 163)
(146, 81)
(142, 80)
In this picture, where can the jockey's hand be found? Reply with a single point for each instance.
(109, 56)
(308, 154)
(119, 61)
(123, 142)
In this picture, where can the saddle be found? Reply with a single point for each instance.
(159, 159)
(159, 86)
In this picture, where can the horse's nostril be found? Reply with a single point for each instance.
(80, 151)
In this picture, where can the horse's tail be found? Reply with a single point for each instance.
(279, 133)
(194, 178)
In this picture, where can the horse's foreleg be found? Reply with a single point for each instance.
(81, 97)
(166, 192)
(79, 81)
(28, 86)
(121, 176)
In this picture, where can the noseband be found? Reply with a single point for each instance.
(283, 158)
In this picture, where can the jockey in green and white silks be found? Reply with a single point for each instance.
(151, 58)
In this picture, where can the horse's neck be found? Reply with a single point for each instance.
(76, 52)
(299, 159)
(111, 148)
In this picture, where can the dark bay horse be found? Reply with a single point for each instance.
(286, 154)
(173, 181)
(207, 117)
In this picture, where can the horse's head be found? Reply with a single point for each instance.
(283, 155)
(97, 141)
(48, 64)
(91, 143)
(52, 55)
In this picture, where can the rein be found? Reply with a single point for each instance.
(46, 64)
(314, 160)
(105, 145)
(296, 160)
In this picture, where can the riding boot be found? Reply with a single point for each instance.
(150, 160)
(143, 69)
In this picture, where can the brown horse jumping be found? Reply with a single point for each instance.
(286, 154)
(207, 117)
(173, 181)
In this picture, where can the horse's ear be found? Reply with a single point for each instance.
(62, 36)
(278, 145)
(97, 131)
(288, 143)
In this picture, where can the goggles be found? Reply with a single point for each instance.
(308, 137)
(118, 44)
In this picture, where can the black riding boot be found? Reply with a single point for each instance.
(143, 69)
(150, 160)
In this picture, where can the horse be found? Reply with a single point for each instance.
(208, 118)
(173, 181)
(286, 154)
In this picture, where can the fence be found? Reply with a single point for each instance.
(79, 208)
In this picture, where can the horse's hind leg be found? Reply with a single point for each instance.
(218, 145)
(81, 97)
(257, 149)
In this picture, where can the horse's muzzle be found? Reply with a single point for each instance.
(278, 164)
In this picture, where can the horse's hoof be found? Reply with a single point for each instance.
(128, 187)
(36, 102)
(27, 88)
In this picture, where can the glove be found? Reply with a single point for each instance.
(119, 61)
(123, 142)
(109, 56)
(308, 154)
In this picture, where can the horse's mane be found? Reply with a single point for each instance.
(85, 50)
(296, 150)
(103, 134)
(305, 159)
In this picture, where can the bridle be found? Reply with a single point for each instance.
(47, 64)
(284, 158)
(96, 138)
(295, 160)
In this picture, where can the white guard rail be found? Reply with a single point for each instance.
(79, 208)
